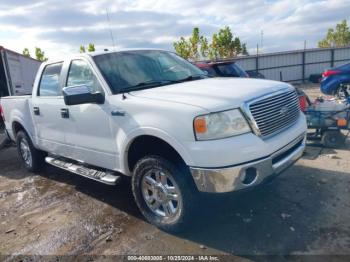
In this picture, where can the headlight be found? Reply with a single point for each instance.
(220, 125)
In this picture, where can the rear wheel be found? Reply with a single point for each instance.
(33, 159)
(164, 193)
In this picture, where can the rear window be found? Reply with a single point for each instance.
(49, 83)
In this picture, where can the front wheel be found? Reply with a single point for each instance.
(32, 158)
(164, 193)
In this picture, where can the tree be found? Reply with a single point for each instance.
(244, 49)
(26, 52)
(194, 43)
(91, 48)
(40, 55)
(82, 49)
(340, 36)
(223, 45)
(183, 48)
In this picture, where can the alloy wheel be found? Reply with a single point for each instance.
(161, 194)
(25, 152)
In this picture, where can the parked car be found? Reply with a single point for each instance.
(255, 74)
(152, 115)
(222, 69)
(336, 81)
(315, 78)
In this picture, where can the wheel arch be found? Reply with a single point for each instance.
(161, 143)
(347, 81)
(17, 125)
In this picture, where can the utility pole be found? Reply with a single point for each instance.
(110, 29)
(262, 39)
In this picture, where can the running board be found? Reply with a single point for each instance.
(104, 177)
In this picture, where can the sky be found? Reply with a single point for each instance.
(59, 27)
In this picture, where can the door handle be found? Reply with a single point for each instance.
(64, 113)
(36, 110)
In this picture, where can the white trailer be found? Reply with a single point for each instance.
(17, 73)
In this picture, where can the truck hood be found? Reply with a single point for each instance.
(213, 94)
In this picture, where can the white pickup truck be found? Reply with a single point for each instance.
(152, 115)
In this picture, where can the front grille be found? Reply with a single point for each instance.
(276, 112)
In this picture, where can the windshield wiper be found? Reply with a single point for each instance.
(156, 83)
(143, 85)
(189, 78)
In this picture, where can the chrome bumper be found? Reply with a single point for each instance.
(228, 179)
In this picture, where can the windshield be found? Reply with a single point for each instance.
(128, 70)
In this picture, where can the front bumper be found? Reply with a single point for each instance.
(249, 174)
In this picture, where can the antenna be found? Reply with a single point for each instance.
(110, 29)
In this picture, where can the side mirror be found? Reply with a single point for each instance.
(77, 95)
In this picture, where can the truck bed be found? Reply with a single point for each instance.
(17, 109)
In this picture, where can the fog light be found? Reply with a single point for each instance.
(249, 176)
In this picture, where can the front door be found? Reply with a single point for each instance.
(88, 130)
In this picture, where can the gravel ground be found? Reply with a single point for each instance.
(306, 210)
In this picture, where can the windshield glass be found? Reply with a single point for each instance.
(144, 69)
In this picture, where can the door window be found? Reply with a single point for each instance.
(49, 83)
(80, 73)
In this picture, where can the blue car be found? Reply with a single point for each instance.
(336, 81)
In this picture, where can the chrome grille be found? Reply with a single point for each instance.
(276, 112)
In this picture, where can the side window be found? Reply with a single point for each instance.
(49, 83)
(80, 73)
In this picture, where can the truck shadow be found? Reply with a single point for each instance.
(279, 218)
(282, 217)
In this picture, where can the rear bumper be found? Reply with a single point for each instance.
(246, 175)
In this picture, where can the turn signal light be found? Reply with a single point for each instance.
(200, 125)
(342, 122)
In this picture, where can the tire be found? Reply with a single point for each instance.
(169, 215)
(33, 159)
(339, 93)
(333, 139)
(315, 78)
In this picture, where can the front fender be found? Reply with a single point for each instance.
(125, 140)
(330, 85)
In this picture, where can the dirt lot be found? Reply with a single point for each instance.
(306, 210)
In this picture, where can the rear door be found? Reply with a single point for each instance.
(47, 105)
